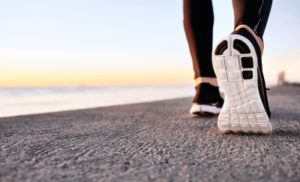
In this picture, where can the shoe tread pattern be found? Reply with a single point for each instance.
(243, 110)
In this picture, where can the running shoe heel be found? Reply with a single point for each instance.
(236, 65)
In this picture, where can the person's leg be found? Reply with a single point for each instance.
(198, 25)
(238, 66)
(253, 13)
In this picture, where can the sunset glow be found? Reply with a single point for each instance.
(63, 43)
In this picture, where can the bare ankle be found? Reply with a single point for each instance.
(210, 80)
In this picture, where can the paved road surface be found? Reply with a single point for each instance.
(156, 141)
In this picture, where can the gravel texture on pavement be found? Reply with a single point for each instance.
(155, 141)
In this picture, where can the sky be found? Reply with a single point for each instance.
(117, 42)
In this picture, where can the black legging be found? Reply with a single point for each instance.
(198, 25)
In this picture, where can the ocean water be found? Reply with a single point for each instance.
(33, 100)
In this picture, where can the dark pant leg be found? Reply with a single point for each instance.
(198, 25)
(254, 13)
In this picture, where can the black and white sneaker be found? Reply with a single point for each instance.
(238, 66)
(207, 100)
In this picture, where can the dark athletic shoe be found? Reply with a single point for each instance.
(207, 100)
(238, 66)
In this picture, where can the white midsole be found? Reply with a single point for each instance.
(199, 108)
(243, 109)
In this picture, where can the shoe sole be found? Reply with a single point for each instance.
(200, 109)
(235, 63)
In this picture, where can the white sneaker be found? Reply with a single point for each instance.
(207, 100)
(237, 64)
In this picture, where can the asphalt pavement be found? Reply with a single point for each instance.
(154, 141)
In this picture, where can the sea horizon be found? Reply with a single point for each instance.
(26, 100)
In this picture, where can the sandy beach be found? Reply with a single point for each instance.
(154, 141)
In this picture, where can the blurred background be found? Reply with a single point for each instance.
(59, 55)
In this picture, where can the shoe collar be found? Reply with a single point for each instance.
(257, 38)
